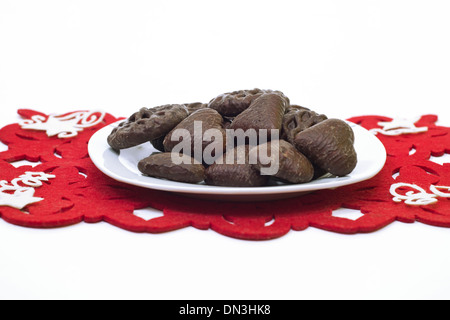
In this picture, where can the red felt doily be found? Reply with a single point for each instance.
(78, 191)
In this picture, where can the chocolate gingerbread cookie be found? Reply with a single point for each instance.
(286, 162)
(147, 125)
(237, 173)
(298, 119)
(265, 112)
(231, 104)
(158, 144)
(194, 127)
(329, 145)
(160, 165)
(195, 106)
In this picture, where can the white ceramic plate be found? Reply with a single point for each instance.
(123, 167)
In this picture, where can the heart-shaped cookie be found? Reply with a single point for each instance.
(194, 129)
(265, 113)
(282, 160)
(329, 145)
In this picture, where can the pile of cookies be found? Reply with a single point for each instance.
(307, 145)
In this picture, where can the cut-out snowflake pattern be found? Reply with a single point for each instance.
(80, 192)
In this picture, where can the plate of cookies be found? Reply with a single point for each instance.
(246, 145)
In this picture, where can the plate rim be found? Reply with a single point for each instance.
(199, 189)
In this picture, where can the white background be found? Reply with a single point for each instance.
(341, 58)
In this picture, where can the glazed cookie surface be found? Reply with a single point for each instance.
(195, 106)
(195, 126)
(329, 145)
(239, 173)
(147, 125)
(292, 166)
(231, 104)
(160, 165)
(298, 119)
(265, 113)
